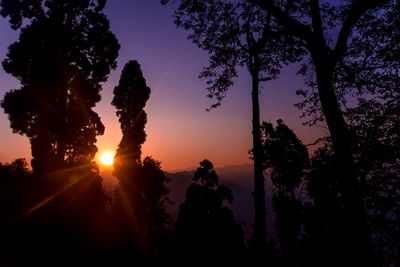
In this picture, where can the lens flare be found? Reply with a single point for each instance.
(107, 158)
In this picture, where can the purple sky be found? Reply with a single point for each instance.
(180, 132)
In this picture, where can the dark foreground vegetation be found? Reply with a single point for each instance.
(339, 206)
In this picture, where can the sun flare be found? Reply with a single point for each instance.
(107, 158)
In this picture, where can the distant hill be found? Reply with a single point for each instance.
(239, 178)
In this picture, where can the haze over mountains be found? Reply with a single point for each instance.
(239, 178)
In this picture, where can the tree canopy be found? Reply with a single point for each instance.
(345, 43)
(142, 190)
(239, 34)
(130, 97)
(64, 53)
(206, 230)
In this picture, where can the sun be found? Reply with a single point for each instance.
(106, 158)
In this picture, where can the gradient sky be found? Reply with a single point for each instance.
(180, 132)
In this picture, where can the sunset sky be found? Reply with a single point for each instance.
(180, 132)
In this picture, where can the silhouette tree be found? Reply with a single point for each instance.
(14, 188)
(64, 220)
(375, 123)
(64, 53)
(345, 41)
(285, 157)
(376, 131)
(13, 179)
(130, 97)
(142, 184)
(286, 160)
(156, 219)
(238, 34)
(322, 242)
(205, 229)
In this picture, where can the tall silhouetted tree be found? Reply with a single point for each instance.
(130, 97)
(64, 53)
(237, 34)
(351, 47)
(286, 161)
(142, 184)
(206, 230)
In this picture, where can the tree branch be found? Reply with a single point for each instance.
(266, 79)
(297, 28)
(237, 39)
(265, 33)
(357, 9)
(317, 25)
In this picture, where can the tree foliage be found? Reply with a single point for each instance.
(376, 128)
(206, 230)
(322, 219)
(130, 97)
(64, 53)
(285, 156)
(142, 192)
(286, 161)
(13, 177)
(347, 43)
(236, 35)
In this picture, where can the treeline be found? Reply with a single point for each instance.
(338, 207)
(57, 214)
(347, 53)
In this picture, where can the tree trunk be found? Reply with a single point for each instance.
(260, 232)
(357, 247)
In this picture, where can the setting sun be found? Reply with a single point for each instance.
(106, 158)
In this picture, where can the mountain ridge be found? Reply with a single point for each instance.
(239, 178)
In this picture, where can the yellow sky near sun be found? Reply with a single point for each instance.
(106, 158)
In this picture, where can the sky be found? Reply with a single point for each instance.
(180, 132)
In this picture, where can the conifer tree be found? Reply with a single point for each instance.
(142, 183)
